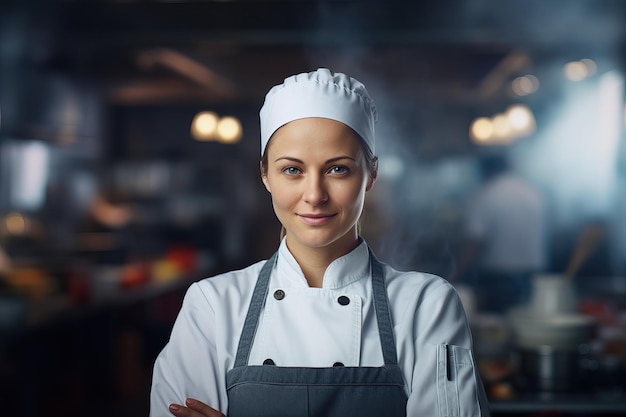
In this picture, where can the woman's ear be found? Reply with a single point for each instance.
(372, 177)
(264, 177)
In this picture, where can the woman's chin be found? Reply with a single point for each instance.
(318, 240)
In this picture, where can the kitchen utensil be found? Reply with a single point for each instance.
(587, 242)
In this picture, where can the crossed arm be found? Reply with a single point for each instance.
(194, 408)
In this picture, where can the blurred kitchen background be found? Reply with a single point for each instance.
(129, 148)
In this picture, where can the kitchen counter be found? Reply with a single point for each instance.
(96, 351)
(59, 310)
(588, 381)
(595, 404)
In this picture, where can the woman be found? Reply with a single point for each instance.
(322, 328)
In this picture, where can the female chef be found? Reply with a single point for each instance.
(322, 328)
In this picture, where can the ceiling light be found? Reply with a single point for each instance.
(204, 126)
(229, 130)
(521, 118)
(501, 126)
(575, 71)
(481, 130)
(525, 85)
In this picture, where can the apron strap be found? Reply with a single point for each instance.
(381, 307)
(254, 312)
(383, 316)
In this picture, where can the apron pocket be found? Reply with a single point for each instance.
(266, 400)
(456, 382)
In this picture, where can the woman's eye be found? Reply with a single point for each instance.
(338, 170)
(291, 171)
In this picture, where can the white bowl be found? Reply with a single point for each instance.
(560, 331)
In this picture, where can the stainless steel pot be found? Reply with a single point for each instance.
(547, 369)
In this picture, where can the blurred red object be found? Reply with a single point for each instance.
(135, 274)
(599, 309)
(183, 256)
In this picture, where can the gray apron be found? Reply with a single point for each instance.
(338, 391)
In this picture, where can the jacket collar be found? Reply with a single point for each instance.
(341, 272)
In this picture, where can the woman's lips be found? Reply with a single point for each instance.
(315, 219)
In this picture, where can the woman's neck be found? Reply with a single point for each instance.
(314, 261)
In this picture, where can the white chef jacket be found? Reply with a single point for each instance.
(308, 327)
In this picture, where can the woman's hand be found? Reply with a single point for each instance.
(194, 408)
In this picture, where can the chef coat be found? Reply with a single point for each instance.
(319, 327)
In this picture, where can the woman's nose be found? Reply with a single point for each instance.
(315, 191)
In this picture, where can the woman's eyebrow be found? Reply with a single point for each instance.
(331, 160)
(339, 158)
(289, 158)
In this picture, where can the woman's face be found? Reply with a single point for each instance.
(317, 175)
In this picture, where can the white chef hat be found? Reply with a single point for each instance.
(320, 93)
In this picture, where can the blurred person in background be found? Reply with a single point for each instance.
(505, 237)
(322, 328)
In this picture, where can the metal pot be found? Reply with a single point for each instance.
(550, 370)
